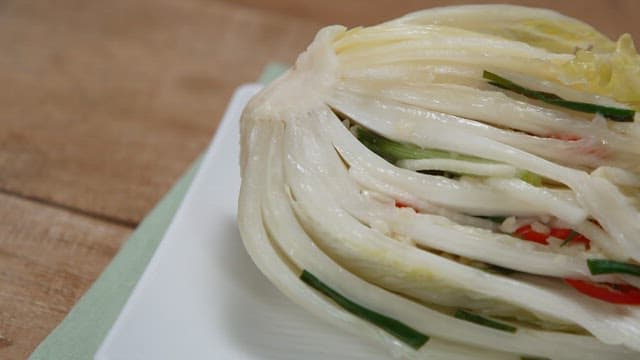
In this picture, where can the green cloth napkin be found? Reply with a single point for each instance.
(80, 334)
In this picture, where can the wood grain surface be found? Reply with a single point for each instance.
(104, 104)
(48, 257)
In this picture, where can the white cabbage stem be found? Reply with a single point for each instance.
(386, 165)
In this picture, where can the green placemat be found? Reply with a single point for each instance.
(80, 334)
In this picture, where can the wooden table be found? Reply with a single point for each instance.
(104, 104)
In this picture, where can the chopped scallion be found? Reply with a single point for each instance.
(612, 113)
(402, 332)
(480, 320)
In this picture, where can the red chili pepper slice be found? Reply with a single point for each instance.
(560, 233)
(526, 233)
(400, 204)
(611, 293)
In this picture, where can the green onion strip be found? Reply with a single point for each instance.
(569, 238)
(480, 320)
(603, 266)
(399, 330)
(393, 151)
(612, 113)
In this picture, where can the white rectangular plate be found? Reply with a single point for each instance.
(201, 296)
